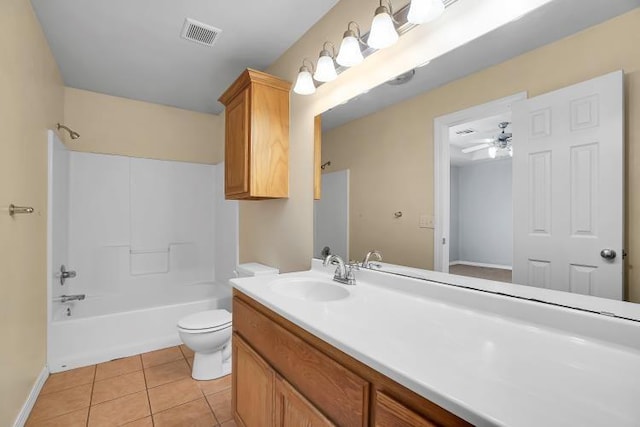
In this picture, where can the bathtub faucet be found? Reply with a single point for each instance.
(67, 298)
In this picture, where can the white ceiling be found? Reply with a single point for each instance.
(133, 49)
(484, 129)
(551, 22)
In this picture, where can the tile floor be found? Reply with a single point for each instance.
(150, 389)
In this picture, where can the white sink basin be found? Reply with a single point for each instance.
(309, 289)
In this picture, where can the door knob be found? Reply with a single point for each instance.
(608, 253)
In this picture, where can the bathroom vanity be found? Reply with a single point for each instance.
(399, 351)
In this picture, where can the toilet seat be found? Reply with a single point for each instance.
(206, 321)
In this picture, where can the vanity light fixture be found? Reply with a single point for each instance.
(325, 68)
(383, 32)
(421, 11)
(350, 53)
(304, 83)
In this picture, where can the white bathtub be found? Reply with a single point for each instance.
(101, 328)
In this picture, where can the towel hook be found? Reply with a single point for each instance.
(13, 209)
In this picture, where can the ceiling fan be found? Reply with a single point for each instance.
(502, 141)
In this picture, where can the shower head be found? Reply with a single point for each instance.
(73, 134)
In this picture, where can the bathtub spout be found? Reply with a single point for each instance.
(67, 298)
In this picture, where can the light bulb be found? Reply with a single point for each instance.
(325, 69)
(304, 82)
(434, 12)
(492, 152)
(419, 10)
(383, 33)
(350, 53)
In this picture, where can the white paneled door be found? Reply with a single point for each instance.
(568, 188)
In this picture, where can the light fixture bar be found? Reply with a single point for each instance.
(403, 27)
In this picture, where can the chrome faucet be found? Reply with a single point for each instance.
(67, 298)
(344, 273)
(370, 254)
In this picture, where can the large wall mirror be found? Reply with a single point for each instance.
(503, 159)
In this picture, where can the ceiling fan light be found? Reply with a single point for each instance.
(325, 69)
(419, 11)
(304, 83)
(383, 33)
(350, 53)
(434, 12)
(493, 151)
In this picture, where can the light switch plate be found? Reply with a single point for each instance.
(426, 221)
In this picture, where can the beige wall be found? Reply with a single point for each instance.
(31, 95)
(393, 148)
(391, 169)
(113, 125)
(280, 232)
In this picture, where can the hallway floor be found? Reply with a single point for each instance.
(150, 389)
(497, 274)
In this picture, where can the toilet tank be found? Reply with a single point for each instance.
(251, 269)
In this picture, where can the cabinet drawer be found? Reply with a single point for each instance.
(337, 392)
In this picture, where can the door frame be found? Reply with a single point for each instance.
(442, 164)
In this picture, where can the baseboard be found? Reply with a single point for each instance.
(480, 264)
(21, 419)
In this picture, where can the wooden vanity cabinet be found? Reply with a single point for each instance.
(256, 137)
(285, 376)
(293, 410)
(254, 382)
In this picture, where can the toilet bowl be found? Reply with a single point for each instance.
(208, 334)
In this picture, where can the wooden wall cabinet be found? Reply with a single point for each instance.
(311, 383)
(317, 158)
(256, 137)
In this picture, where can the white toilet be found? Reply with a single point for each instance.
(208, 333)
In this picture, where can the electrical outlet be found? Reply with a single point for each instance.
(426, 221)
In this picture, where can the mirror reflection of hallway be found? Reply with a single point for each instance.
(481, 219)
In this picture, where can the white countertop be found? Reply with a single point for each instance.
(490, 359)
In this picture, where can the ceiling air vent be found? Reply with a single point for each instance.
(200, 33)
(465, 131)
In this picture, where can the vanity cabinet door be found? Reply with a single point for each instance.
(253, 387)
(293, 410)
(391, 413)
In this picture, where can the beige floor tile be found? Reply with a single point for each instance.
(190, 361)
(215, 386)
(169, 372)
(221, 404)
(173, 394)
(119, 386)
(117, 367)
(144, 422)
(68, 379)
(192, 414)
(72, 419)
(61, 402)
(188, 353)
(160, 357)
(230, 423)
(120, 411)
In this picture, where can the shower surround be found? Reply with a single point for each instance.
(150, 240)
